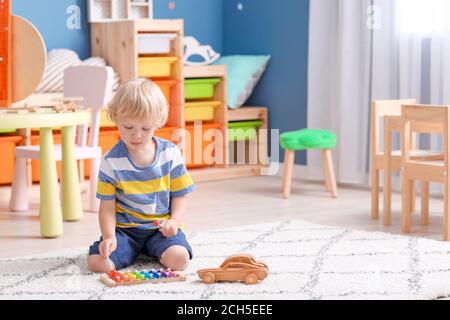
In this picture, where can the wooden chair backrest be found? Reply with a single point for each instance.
(426, 119)
(379, 109)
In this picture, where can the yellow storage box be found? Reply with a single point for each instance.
(203, 110)
(155, 67)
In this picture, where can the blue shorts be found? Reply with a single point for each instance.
(133, 241)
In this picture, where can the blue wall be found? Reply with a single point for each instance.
(278, 28)
(49, 17)
(202, 18)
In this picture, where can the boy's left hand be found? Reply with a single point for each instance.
(170, 228)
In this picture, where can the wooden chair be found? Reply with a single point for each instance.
(430, 119)
(388, 160)
(94, 85)
(379, 161)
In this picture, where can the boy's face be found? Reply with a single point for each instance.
(135, 133)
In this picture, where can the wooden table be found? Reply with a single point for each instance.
(50, 208)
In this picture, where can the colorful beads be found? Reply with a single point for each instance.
(117, 276)
(147, 275)
(152, 274)
(130, 276)
(170, 273)
(138, 275)
(162, 273)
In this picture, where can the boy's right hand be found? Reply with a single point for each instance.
(107, 246)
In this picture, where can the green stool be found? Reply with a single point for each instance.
(303, 140)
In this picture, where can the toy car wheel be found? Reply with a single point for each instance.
(251, 278)
(209, 278)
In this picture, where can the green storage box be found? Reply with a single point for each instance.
(200, 88)
(243, 130)
(7, 130)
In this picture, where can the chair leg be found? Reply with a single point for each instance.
(26, 133)
(331, 175)
(406, 205)
(94, 203)
(29, 172)
(425, 189)
(413, 196)
(289, 156)
(375, 192)
(446, 210)
(19, 193)
(387, 177)
(387, 193)
(325, 172)
(81, 175)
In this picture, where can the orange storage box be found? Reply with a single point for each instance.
(166, 88)
(8, 148)
(193, 146)
(166, 133)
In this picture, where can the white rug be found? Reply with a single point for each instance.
(307, 261)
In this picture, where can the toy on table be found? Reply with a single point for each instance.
(67, 104)
(115, 278)
(238, 267)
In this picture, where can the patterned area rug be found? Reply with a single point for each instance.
(307, 261)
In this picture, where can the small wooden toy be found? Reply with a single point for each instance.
(126, 278)
(238, 267)
(67, 104)
(63, 105)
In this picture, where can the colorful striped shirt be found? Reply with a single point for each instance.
(143, 194)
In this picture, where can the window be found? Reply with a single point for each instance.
(423, 17)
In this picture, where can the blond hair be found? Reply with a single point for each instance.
(139, 99)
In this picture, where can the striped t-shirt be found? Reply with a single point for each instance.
(143, 194)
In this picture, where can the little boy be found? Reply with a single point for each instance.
(142, 181)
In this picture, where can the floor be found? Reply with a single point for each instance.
(223, 204)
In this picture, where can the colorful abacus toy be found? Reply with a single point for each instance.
(116, 278)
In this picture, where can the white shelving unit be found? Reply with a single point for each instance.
(115, 10)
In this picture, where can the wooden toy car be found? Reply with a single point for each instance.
(239, 267)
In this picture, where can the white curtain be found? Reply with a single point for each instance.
(338, 84)
(364, 50)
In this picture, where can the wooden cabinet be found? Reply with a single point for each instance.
(219, 119)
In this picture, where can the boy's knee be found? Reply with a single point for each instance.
(175, 257)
